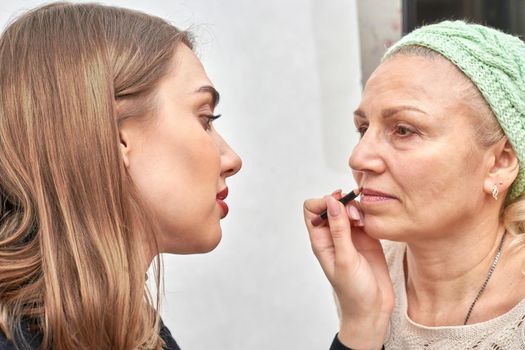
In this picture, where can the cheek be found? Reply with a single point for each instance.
(439, 182)
(421, 171)
(177, 177)
(432, 178)
(172, 158)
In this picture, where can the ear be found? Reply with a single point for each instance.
(503, 169)
(124, 138)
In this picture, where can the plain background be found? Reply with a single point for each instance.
(289, 77)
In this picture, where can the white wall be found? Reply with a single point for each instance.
(288, 74)
(380, 26)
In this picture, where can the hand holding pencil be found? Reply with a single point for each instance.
(355, 265)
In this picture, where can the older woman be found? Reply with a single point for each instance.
(442, 125)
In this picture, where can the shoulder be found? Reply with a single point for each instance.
(22, 335)
(6, 344)
(171, 344)
(165, 334)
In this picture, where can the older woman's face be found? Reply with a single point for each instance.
(418, 161)
(179, 162)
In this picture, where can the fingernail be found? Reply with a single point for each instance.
(353, 212)
(333, 206)
(337, 191)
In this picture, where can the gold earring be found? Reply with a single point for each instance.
(495, 192)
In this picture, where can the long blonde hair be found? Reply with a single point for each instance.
(70, 260)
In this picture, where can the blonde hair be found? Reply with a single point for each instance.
(488, 132)
(71, 262)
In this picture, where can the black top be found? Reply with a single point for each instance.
(337, 345)
(35, 340)
(165, 334)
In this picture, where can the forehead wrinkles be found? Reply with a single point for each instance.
(434, 82)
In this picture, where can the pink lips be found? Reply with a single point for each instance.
(369, 195)
(221, 196)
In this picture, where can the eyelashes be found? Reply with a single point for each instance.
(399, 130)
(361, 130)
(207, 120)
(404, 131)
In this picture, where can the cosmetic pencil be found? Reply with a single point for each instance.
(344, 200)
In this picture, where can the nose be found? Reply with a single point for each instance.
(367, 155)
(231, 163)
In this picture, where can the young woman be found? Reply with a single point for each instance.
(108, 157)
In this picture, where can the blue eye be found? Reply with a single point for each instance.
(208, 119)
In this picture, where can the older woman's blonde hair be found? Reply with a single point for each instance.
(488, 132)
(71, 263)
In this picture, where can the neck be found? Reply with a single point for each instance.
(445, 275)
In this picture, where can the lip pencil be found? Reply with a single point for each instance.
(323, 216)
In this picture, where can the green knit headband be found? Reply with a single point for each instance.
(495, 62)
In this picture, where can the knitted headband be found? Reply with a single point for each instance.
(495, 63)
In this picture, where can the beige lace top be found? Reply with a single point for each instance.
(503, 332)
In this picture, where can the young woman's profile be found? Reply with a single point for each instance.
(108, 157)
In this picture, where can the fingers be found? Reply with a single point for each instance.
(320, 236)
(370, 248)
(355, 214)
(313, 207)
(340, 230)
(317, 221)
(333, 236)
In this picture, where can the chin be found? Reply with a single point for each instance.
(376, 229)
(385, 231)
(207, 245)
(199, 243)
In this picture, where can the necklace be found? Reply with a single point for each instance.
(489, 274)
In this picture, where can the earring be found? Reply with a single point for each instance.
(495, 192)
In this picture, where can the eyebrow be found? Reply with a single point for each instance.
(208, 89)
(389, 112)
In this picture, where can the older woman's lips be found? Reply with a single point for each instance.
(221, 196)
(373, 196)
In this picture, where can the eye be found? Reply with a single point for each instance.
(404, 131)
(361, 129)
(207, 120)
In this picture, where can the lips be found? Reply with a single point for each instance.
(221, 196)
(374, 195)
